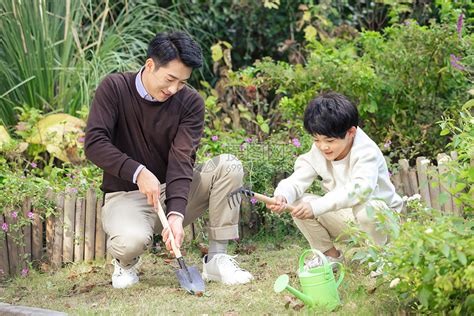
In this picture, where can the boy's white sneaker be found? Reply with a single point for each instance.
(316, 261)
(225, 269)
(123, 278)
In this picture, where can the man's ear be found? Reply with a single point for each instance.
(150, 65)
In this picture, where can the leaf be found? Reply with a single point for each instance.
(265, 128)
(4, 136)
(424, 296)
(444, 132)
(445, 250)
(461, 257)
(216, 52)
(310, 33)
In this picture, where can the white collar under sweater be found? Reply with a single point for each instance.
(360, 176)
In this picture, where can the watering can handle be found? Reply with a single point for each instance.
(342, 272)
(306, 252)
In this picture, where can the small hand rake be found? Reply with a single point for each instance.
(189, 278)
(235, 197)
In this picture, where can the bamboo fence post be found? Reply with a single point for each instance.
(27, 229)
(56, 257)
(99, 231)
(37, 240)
(397, 182)
(4, 262)
(433, 179)
(422, 167)
(447, 206)
(50, 228)
(413, 181)
(68, 233)
(89, 236)
(12, 242)
(457, 209)
(404, 175)
(79, 230)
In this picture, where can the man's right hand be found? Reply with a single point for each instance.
(280, 204)
(149, 185)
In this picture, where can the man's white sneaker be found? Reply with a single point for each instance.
(122, 278)
(225, 269)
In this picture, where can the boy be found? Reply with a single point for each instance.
(354, 176)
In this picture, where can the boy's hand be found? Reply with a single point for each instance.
(303, 211)
(280, 204)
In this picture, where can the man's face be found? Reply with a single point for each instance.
(164, 81)
(335, 148)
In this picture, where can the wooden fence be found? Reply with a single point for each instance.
(76, 233)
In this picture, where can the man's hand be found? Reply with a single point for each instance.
(303, 211)
(149, 185)
(176, 225)
(280, 204)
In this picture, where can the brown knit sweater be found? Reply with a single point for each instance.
(124, 130)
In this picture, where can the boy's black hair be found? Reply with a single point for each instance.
(330, 114)
(165, 47)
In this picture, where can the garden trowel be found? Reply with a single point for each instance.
(235, 197)
(189, 277)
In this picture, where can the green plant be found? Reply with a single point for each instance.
(460, 177)
(429, 258)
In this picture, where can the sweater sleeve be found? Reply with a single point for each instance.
(295, 185)
(100, 128)
(181, 157)
(363, 180)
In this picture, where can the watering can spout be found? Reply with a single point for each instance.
(282, 283)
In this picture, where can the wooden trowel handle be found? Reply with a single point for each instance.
(269, 200)
(164, 222)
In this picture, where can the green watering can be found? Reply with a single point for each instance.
(318, 286)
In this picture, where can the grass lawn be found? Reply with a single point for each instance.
(86, 288)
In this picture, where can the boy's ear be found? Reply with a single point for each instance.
(352, 131)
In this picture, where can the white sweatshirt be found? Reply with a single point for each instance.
(360, 176)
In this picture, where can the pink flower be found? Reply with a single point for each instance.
(253, 200)
(30, 215)
(5, 227)
(296, 142)
(81, 139)
(249, 140)
(390, 174)
(455, 62)
(25, 272)
(33, 165)
(72, 190)
(14, 214)
(387, 144)
(208, 154)
(214, 138)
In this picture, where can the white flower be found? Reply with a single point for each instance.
(394, 282)
(417, 196)
(429, 230)
(404, 198)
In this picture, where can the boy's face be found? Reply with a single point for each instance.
(163, 82)
(335, 148)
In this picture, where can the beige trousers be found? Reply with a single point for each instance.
(321, 231)
(130, 221)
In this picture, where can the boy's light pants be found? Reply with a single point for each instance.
(130, 221)
(321, 231)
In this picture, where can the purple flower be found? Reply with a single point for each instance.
(14, 214)
(455, 62)
(214, 138)
(253, 200)
(68, 175)
(5, 227)
(459, 28)
(208, 154)
(249, 140)
(296, 142)
(389, 173)
(387, 144)
(72, 190)
(33, 165)
(288, 122)
(242, 147)
(25, 272)
(81, 139)
(30, 215)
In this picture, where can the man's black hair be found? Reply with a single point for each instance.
(330, 114)
(165, 47)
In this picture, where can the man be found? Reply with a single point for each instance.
(143, 131)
